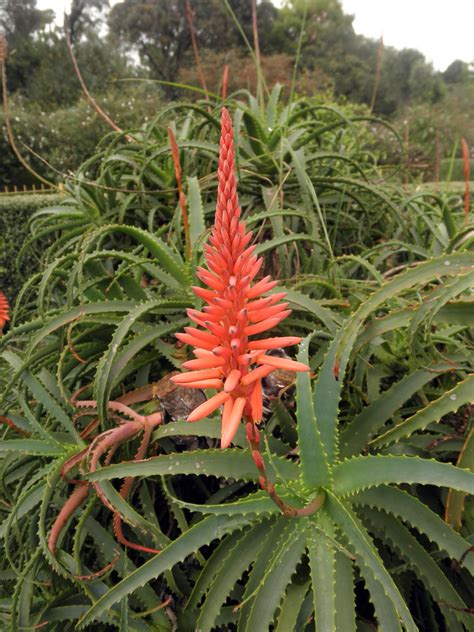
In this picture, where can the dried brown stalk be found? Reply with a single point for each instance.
(85, 89)
(197, 57)
(182, 199)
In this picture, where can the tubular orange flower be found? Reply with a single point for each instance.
(235, 310)
(4, 311)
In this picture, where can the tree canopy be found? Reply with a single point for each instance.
(157, 40)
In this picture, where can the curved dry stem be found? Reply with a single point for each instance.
(75, 500)
(253, 438)
(197, 57)
(100, 572)
(125, 490)
(88, 95)
(107, 441)
(10, 136)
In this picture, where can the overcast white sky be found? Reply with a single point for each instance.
(443, 31)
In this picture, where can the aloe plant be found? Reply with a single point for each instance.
(378, 280)
(363, 520)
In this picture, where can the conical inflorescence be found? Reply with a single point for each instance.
(227, 359)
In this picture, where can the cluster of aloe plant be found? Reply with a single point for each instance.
(378, 278)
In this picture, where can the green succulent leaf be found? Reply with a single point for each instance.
(231, 463)
(364, 549)
(450, 401)
(364, 472)
(189, 542)
(314, 466)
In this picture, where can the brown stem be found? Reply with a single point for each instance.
(102, 571)
(225, 78)
(107, 441)
(138, 395)
(256, 42)
(89, 96)
(10, 424)
(74, 501)
(286, 509)
(71, 463)
(125, 490)
(71, 346)
(91, 183)
(197, 57)
(182, 199)
(256, 45)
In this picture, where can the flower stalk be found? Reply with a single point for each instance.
(182, 199)
(236, 308)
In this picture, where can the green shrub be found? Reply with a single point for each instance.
(453, 170)
(433, 131)
(15, 214)
(68, 136)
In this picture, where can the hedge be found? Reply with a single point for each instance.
(455, 169)
(15, 212)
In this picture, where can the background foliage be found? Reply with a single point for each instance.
(15, 214)
(140, 37)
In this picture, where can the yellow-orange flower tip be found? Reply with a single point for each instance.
(274, 343)
(257, 374)
(232, 380)
(204, 384)
(204, 363)
(230, 423)
(208, 407)
(192, 376)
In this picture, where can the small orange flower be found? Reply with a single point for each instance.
(226, 360)
(4, 310)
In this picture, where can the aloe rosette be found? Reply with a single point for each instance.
(236, 309)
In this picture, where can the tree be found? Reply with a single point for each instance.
(19, 21)
(157, 30)
(457, 72)
(84, 15)
(329, 44)
(424, 85)
(216, 28)
(38, 64)
(54, 84)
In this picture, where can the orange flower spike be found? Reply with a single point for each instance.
(4, 311)
(236, 309)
